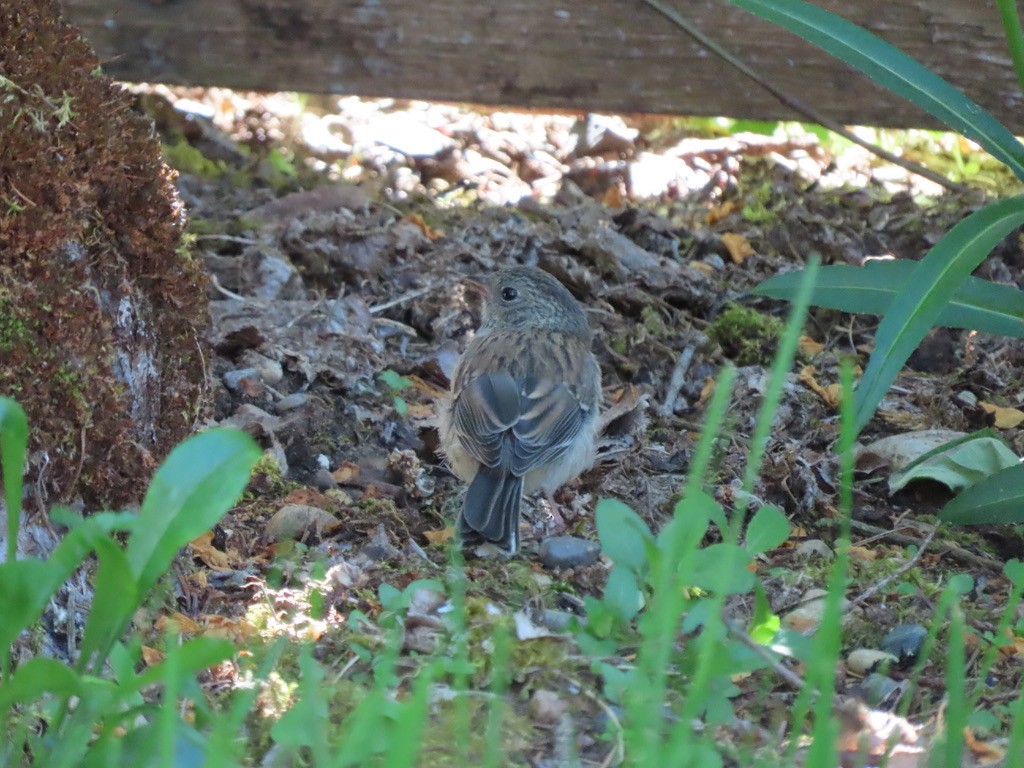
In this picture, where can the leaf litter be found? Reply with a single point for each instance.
(340, 304)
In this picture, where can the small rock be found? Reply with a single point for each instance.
(559, 621)
(528, 629)
(807, 616)
(967, 398)
(253, 420)
(904, 642)
(345, 575)
(380, 547)
(270, 371)
(563, 552)
(878, 691)
(715, 261)
(291, 402)
(241, 380)
(814, 549)
(294, 521)
(323, 480)
(547, 706)
(269, 275)
(864, 660)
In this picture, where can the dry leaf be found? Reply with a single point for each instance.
(202, 547)
(738, 246)
(809, 346)
(703, 266)
(151, 656)
(308, 497)
(830, 394)
(220, 626)
(715, 215)
(982, 750)
(426, 387)
(613, 197)
(419, 410)
(415, 218)
(346, 473)
(440, 536)
(184, 623)
(1005, 418)
(863, 554)
(706, 391)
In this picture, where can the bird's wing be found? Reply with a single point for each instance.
(517, 426)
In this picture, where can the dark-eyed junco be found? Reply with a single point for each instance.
(523, 411)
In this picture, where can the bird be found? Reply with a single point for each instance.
(522, 413)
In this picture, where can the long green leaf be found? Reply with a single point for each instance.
(115, 602)
(998, 498)
(977, 305)
(931, 286)
(891, 68)
(191, 491)
(13, 444)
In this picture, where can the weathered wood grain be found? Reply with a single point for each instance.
(601, 55)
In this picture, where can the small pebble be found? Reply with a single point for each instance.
(715, 261)
(379, 547)
(324, 480)
(270, 371)
(235, 380)
(547, 706)
(291, 402)
(904, 642)
(563, 552)
(293, 521)
(864, 660)
(558, 621)
(814, 549)
(878, 691)
(967, 398)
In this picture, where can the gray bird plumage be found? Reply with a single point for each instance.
(524, 403)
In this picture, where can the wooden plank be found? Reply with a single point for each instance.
(602, 55)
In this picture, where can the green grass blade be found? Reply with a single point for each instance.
(891, 68)
(1014, 38)
(977, 305)
(932, 284)
(191, 491)
(13, 444)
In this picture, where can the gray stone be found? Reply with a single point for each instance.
(293, 521)
(291, 402)
(563, 552)
(324, 481)
(235, 380)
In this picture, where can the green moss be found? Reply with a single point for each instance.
(746, 335)
(185, 158)
(756, 208)
(14, 332)
(654, 322)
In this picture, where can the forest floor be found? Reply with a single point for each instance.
(339, 234)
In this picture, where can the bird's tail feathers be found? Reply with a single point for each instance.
(491, 510)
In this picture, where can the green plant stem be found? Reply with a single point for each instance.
(1014, 39)
(795, 104)
(674, 567)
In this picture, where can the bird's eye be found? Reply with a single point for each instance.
(508, 293)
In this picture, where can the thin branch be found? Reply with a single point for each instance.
(863, 596)
(795, 104)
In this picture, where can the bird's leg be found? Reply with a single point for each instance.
(550, 513)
